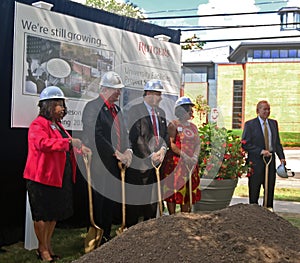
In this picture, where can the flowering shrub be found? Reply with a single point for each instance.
(221, 155)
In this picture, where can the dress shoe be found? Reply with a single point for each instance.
(39, 256)
(55, 257)
(105, 239)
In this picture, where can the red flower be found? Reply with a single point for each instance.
(227, 156)
(221, 155)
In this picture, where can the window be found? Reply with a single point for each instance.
(275, 53)
(237, 104)
(292, 53)
(283, 53)
(257, 54)
(266, 53)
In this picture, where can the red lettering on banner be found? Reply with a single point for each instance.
(144, 48)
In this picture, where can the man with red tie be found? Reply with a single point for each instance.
(105, 132)
(148, 137)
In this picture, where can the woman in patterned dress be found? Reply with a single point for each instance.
(180, 158)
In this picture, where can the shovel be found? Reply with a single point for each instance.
(122, 227)
(95, 233)
(266, 179)
(190, 185)
(158, 186)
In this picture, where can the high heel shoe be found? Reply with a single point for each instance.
(55, 257)
(39, 257)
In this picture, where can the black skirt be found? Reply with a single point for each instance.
(50, 203)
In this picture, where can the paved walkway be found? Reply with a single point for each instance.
(279, 206)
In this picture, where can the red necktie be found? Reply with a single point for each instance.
(154, 125)
(116, 126)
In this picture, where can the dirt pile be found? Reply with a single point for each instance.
(239, 233)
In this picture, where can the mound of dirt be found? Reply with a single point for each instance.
(239, 233)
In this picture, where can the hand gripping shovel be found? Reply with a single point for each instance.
(122, 227)
(266, 179)
(190, 186)
(158, 186)
(95, 233)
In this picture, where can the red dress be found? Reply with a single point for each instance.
(175, 186)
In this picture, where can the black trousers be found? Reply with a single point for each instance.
(106, 212)
(257, 179)
(148, 210)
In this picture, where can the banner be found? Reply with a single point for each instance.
(55, 49)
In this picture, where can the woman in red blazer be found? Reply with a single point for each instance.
(50, 169)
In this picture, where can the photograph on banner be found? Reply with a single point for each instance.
(74, 69)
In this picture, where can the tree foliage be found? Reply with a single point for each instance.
(113, 6)
(192, 43)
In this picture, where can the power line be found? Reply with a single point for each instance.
(210, 15)
(195, 9)
(208, 28)
(238, 39)
(171, 11)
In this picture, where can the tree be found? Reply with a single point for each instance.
(113, 6)
(192, 43)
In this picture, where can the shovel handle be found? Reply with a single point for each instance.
(122, 168)
(157, 167)
(87, 161)
(267, 163)
(190, 185)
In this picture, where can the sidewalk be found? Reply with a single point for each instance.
(279, 206)
(290, 182)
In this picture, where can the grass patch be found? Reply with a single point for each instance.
(294, 219)
(281, 194)
(67, 242)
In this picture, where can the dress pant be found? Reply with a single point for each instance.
(148, 210)
(103, 213)
(257, 179)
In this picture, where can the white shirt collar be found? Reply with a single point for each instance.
(262, 121)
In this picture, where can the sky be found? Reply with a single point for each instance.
(161, 8)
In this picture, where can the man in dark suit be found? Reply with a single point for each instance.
(105, 132)
(148, 136)
(261, 140)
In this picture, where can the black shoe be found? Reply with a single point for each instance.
(56, 257)
(105, 239)
(39, 257)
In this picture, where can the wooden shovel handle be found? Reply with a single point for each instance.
(158, 186)
(87, 161)
(266, 179)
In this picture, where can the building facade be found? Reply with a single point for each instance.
(254, 71)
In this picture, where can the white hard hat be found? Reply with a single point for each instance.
(52, 92)
(111, 80)
(281, 171)
(154, 85)
(183, 101)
